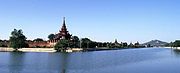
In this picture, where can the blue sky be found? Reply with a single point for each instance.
(99, 20)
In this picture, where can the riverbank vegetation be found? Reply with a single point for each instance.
(18, 40)
(176, 43)
(88, 44)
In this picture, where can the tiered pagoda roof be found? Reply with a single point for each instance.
(63, 33)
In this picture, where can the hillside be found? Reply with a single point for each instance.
(155, 43)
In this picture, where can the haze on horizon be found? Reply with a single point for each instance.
(99, 20)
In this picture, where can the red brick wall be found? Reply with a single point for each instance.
(38, 44)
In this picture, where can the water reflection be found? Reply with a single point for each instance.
(16, 62)
(176, 52)
(58, 62)
(64, 62)
(150, 60)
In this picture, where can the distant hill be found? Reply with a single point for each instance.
(155, 43)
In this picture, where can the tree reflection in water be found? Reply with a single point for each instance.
(64, 62)
(176, 52)
(16, 61)
(57, 62)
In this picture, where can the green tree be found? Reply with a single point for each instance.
(1, 44)
(130, 45)
(124, 45)
(105, 44)
(137, 45)
(87, 43)
(176, 43)
(62, 45)
(38, 40)
(51, 36)
(17, 40)
(74, 42)
(169, 44)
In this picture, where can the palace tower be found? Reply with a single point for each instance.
(63, 34)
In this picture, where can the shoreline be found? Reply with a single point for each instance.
(7, 49)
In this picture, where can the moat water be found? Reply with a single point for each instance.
(146, 60)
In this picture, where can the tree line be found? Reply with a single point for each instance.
(18, 40)
(176, 43)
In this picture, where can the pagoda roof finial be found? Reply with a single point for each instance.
(64, 21)
(63, 28)
(116, 41)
